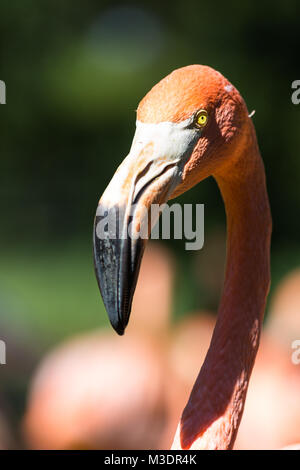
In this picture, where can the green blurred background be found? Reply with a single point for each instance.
(75, 72)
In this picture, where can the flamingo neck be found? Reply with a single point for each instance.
(212, 415)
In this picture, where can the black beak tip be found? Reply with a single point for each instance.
(116, 322)
(119, 329)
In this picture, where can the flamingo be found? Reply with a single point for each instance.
(191, 125)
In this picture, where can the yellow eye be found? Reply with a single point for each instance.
(201, 118)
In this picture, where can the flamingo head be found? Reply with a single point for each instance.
(189, 126)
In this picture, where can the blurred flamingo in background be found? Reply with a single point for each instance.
(271, 418)
(284, 319)
(93, 392)
(191, 125)
(272, 414)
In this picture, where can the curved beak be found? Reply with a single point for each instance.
(129, 208)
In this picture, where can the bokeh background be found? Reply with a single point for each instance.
(75, 72)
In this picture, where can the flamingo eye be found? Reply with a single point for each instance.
(201, 118)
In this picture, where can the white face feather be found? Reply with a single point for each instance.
(155, 146)
(171, 140)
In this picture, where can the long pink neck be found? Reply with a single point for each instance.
(212, 415)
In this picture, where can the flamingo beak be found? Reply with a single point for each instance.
(125, 215)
